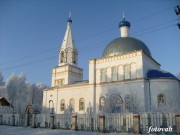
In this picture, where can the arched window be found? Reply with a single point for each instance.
(126, 72)
(51, 106)
(103, 75)
(127, 102)
(118, 104)
(62, 57)
(101, 103)
(74, 57)
(161, 100)
(72, 104)
(69, 55)
(133, 71)
(114, 74)
(59, 81)
(81, 104)
(62, 106)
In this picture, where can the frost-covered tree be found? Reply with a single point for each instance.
(16, 87)
(113, 102)
(178, 76)
(132, 103)
(1, 79)
(21, 93)
(36, 94)
(3, 91)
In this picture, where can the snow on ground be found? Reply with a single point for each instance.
(13, 130)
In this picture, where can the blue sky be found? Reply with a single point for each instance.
(31, 32)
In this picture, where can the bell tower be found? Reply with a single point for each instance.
(67, 71)
(68, 53)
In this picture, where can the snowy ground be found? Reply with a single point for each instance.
(11, 130)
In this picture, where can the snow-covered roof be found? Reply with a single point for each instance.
(152, 74)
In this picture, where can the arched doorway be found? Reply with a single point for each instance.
(30, 118)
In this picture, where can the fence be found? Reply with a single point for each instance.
(161, 120)
(113, 122)
(119, 122)
(88, 122)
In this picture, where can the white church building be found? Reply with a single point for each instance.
(125, 79)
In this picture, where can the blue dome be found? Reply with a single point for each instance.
(124, 23)
(124, 45)
(151, 74)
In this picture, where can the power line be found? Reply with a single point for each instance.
(28, 56)
(99, 33)
(155, 30)
(155, 26)
(45, 59)
(52, 49)
(158, 12)
(28, 63)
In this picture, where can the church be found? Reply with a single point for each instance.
(125, 79)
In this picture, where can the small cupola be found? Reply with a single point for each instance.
(124, 27)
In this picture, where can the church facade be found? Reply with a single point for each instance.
(125, 79)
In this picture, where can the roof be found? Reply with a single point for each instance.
(4, 102)
(124, 23)
(78, 83)
(123, 45)
(68, 41)
(152, 74)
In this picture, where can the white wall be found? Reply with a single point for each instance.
(66, 93)
(124, 88)
(134, 59)
(149, 63)
(170, 88)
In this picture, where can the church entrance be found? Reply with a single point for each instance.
(29, 120)
(29, 115)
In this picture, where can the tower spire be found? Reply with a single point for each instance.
(68, 53)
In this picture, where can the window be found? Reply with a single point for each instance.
(118, 104)
(69, 55)
(127, 102)
(114, 74)
(126, 72)
(133, 71)
(72, 104)
(81, 104)
(62, 57)
(51, 106)
(59, 82)
(74, 59)
(161, 100)
(62, 105)
(101, 103)
(103, 75)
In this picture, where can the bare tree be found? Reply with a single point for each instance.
(111, 102)
(115, 103)
(135, 102)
